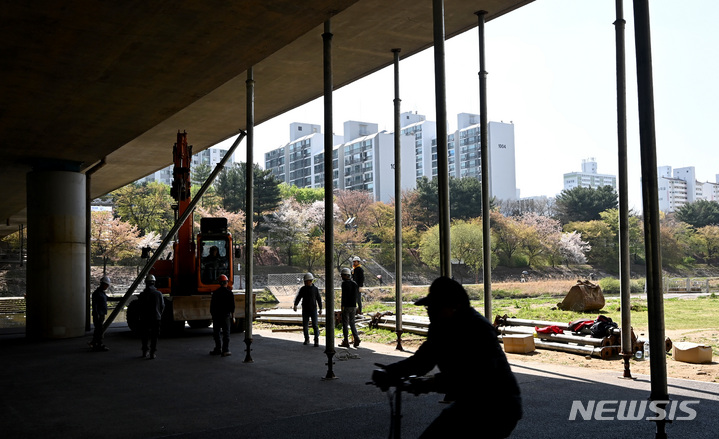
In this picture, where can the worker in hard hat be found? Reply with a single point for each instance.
(357, 271)
(222, 309)
(99, 311)
(152, 304)
(310, 296)
(351, 305)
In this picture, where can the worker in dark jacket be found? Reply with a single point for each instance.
(351, 305)
(311, 303)
(152, 304)
(357, 271)
(222, 309)
(474, 373)
(99, 311)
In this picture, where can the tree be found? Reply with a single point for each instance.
(199, 175)
(466, 244)
(699, 214)
(708, 237)
(506, 237)
(304, 195)
(572, 249)
(353, 204)
(312, 253)
(288, 226)
(465, 200)
(675, 239)
(635, 229)
(585, 204)
(111, 238)
(540, 238)
(543, 206)
(146, 206)
(604, 251)
(231, 188)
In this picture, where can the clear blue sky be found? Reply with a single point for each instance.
(551, 71)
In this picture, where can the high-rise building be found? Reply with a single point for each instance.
(680, 187)
(210, 157)
(364, 158)
(467, 154)
(588, 177)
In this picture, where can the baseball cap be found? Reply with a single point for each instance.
(445, 292)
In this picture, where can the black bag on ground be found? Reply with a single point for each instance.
(602, 327)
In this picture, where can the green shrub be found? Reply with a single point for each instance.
(609, 285)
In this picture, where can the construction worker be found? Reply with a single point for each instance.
(222, 309)
(351, 305)
(152, 304)
(310, 296)
(357, 271)
(99, 311)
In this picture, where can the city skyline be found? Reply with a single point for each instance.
(551, 72)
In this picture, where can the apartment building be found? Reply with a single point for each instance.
(679, 186)
(363, 159)
(210, 157)
(589, 177)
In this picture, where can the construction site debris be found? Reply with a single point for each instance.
(687, 352)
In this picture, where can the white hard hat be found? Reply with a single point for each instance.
(346, 271)
(357, 259)
(105, 280)
(150, 279)
(308, 276)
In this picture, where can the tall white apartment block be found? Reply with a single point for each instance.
(589, 177)
(465, 156)
(422, 134)
(680, 186)
(210, 157)
(364, 158)
(294, 162)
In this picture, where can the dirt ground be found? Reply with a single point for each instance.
(675, 369)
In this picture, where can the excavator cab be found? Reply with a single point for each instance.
(214, 251)
(214, 260)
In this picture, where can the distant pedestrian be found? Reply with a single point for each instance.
(311, 305)
(152, 304)
(222, 309)
(357, 271)
(351, 305)
(99, 311)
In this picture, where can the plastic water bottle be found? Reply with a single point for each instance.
(646, 349)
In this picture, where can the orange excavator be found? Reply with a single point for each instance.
(191, 273)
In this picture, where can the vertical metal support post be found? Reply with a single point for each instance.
(250, 208)
(397, 203)
(624, 267)
(88, 237)
(650, 201)
(445, 251)
(329, 205)
(484, 151)
(21, 232)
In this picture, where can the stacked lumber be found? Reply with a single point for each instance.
(576, 342)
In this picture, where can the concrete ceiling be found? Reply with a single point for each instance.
(83, 81)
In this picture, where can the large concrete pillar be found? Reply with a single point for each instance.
(55, 254)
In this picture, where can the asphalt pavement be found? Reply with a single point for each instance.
(59, 389)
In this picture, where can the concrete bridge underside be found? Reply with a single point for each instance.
(85, 82)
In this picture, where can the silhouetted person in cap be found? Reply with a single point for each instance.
(474, 373)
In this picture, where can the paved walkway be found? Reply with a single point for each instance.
(57, 389)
